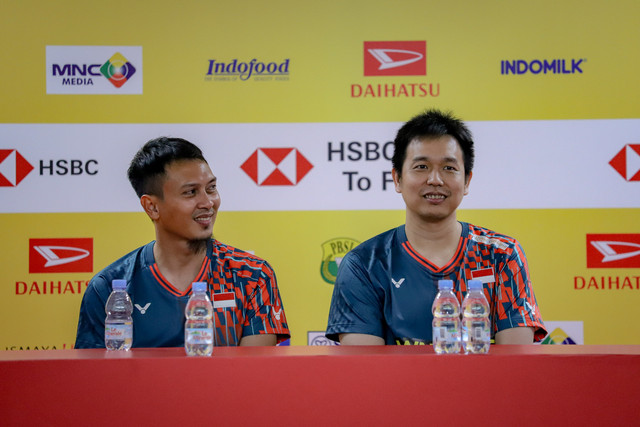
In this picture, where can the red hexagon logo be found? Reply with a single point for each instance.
(276, 166)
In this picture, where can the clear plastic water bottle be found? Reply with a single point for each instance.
(198, 328)
(118, 325)
(446, 319)
(476, 333)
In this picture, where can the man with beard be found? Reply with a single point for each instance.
(178, 192)
(385, 287)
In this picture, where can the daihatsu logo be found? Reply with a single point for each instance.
(384, 56)
(52, 257)
(61, 255)
(613, 250)
(395, 58)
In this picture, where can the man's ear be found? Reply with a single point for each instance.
(396, 180)
(467, 182)
(150, 206)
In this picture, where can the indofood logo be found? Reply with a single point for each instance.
(94, 70)
(542, 66)
(627, 162)
(276, 166)
(332, 253)
(234, 69)
(13, 168)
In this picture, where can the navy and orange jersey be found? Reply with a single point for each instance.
(385, 288)
(242, 286)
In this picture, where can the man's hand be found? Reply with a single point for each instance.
(360, 339)
(521, 335)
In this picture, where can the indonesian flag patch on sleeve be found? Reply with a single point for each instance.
(485, 275)
(224, 299)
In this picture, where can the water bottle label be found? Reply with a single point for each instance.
(121, 331)
(199, 336)
(481, 334)
(444, 333)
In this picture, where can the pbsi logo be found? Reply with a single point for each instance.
(627, 162)
(395, 58)
(613, 250)
(276, 166)
(13, 168)
(332, 253)
(61, 255)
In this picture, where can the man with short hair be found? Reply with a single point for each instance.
(179, 193)
(385, 286)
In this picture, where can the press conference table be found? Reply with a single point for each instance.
(299, 385)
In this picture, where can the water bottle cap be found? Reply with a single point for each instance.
(119, 284)
(474, 285)
(445, 284)
(199, 286)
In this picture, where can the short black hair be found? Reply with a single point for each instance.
(148, 167)
(433, 124)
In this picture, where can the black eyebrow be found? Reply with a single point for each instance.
(425, 158)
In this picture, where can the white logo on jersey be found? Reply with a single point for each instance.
(143, 310)
(529, 307)
(277, 313)
(491, 242)
(398, 283)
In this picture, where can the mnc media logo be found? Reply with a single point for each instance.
(276, 166)
(13, 168)
(94, 70)
(61, 255)
(613, 250)
(542, 66)
(627, 162)
(118, 70)
(395, 58)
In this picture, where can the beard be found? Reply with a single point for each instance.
(198, 245)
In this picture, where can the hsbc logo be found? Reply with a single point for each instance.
(627, 162)
(276, 166)
(395, 58)
(61, 255)
(13, 168)
(613, 250)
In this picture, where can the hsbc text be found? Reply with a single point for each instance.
(68, 167)
(356, 151)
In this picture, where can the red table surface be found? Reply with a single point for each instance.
(388, 385)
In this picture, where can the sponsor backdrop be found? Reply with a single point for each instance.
(295, 104)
